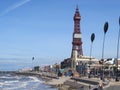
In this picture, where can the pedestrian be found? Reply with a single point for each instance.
(89, 87)
(101, 85)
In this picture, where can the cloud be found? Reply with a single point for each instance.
(14, 6)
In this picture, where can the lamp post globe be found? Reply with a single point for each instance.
(92, 37)
(105, 27)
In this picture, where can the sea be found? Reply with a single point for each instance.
(20, 82)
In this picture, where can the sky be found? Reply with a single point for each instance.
(44, 28)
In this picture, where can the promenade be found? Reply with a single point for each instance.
(66, 82)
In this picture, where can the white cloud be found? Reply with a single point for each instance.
(14, 6)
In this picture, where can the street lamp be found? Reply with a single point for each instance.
(118, 51)
(32, 62)
(92, 39)
(105, 30)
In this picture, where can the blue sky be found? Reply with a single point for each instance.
(44, 28)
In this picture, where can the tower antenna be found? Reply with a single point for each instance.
(76, 1)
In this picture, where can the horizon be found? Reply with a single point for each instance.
(44, 29)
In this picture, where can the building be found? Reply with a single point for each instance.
(77, 56)
(66, 63)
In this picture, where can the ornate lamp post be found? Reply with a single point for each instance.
(92, 39)
(105, 30)
(118, 51)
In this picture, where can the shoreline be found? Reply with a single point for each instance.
(62, 83)
(69, 83)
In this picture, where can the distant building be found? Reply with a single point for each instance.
(119, 62)
(25, 70)
(66, 63)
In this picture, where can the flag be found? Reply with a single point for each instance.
(32, 58)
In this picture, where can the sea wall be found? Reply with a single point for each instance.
(88, 81)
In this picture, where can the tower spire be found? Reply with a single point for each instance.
(77, 9)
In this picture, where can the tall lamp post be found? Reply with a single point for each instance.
(118, 51)
(92, 39)
(105, 30)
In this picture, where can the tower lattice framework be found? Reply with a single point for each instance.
(77, 36)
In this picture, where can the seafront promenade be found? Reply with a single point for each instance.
(64, 82)
(73, 83)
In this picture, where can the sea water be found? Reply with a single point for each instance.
(20, 82)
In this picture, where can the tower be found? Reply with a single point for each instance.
(77, 39)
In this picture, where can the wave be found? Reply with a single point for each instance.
(14, 82)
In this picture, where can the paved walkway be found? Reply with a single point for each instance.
(59, 81)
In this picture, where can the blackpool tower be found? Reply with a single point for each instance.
(77, 39)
